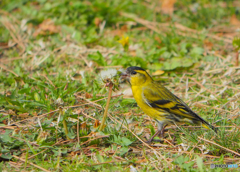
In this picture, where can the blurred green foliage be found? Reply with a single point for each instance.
(65, 59)
(81, 19)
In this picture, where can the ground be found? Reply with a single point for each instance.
(58, 59)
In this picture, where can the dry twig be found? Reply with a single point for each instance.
(43, 169)
(229, 150)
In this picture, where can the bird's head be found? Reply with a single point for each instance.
(136, 76)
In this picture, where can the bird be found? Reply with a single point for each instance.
(159, 103)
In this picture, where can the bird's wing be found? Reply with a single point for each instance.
(161, 98)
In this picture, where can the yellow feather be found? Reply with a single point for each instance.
(158, 102)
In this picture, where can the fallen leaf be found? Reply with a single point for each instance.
(4, 44)
(23, 115)
(158, 39)
(97, 21)
(141, 161)
(34, 114)
(208, 44)
(234, 20)
(16, 130)
(83, 126)
(87, 95)
(50, 114)
(47, 27)
(133, 53)
(96, 124)
(8, 93)
(167, 6)
(5, 122)
(158, 72)
(128, 114)
(124, 28)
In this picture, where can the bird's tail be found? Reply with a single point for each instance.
(209, 126)
(204, 123)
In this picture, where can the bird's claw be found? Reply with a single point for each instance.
(154, 140)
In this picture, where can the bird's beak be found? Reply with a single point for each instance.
(124, 76)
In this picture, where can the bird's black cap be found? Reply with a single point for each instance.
(132, 68)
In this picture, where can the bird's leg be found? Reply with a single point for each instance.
(151, 139)
(161, 133)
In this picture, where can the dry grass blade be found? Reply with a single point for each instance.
(162, 157)
(6, 69)
(107, 106)
(35, 117)
(220, 109)
(90, 102)
(48, 80)
(8, 127)
(13, 32)
(78, 139)
(47, 63)
(37, 154)
(229, 150)
(108, 162)
(31, 143)
(237, 58)
(64, 122)
(58, 110)
(43, 169)
(201, 85)
(180, 29)
(99, 137)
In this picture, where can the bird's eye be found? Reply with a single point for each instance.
(134, 72)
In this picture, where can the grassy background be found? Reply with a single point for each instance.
(52, 58)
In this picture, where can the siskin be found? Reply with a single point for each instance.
(158, 102)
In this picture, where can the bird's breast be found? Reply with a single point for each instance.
(148, 110)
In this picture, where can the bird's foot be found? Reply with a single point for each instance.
(151, 139)
(158, 140)
(154, 140)
(148, 141)
(174, 140)
(159, 133)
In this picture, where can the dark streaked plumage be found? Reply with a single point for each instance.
(158, 102)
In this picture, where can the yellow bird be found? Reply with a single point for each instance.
(159, 103)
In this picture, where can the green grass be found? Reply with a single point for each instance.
(52, 54)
